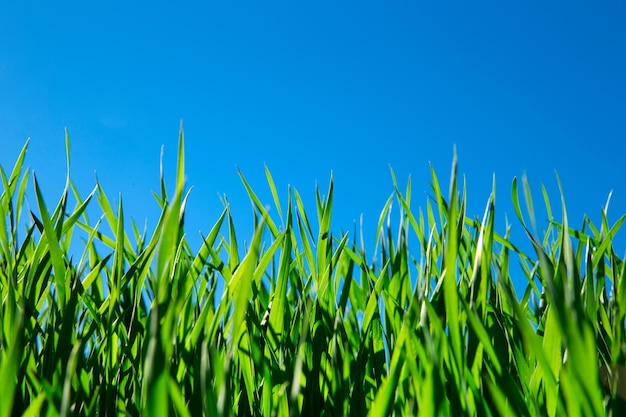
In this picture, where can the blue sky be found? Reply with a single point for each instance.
(313, 87)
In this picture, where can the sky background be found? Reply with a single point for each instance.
(313, 87)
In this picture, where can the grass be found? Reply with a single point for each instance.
(303, 323)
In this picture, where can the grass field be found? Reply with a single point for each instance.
(305, 323)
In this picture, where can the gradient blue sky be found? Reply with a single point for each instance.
(309, 87)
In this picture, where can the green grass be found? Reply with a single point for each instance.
(307, 323)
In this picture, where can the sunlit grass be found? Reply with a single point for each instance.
(303, 323)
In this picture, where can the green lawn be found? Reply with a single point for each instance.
(306, 324)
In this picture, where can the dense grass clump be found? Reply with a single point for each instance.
(304, 324)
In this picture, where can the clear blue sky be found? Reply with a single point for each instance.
(309, 87)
